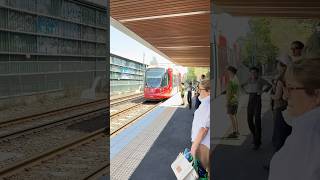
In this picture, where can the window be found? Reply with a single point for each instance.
(165, 79)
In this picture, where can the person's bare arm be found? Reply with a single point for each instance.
(195, 145)
(267, 84)
(243, 86)
(279, 91)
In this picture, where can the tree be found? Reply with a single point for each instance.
(257, 47)
(270, 37)
(191, 76)
(284, 31)
(201, 70)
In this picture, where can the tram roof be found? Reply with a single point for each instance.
(180, 30)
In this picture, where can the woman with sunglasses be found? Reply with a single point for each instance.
(299, 158)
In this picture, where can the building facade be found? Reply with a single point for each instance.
(51, 45)
(125, 74)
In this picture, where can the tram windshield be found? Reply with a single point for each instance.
(155, 76)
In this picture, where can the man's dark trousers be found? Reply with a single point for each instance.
(254, 117)
(189, 99)
(198, 102)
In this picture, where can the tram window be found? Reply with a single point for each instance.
(165, 79)
(173, 81)
(154, 77)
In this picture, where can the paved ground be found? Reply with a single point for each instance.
(234, 159)
(172, 140)
(147, 149)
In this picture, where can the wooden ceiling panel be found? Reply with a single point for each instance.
(123, 9)
(179, 29)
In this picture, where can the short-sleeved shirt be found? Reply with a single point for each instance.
(256, 85)
(201, 119)
(189, 88)
(233, 91)
(182, 90)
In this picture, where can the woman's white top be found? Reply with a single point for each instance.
(202, 119)
(299, 158)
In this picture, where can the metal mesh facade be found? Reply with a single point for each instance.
(48, 45)
(125, 74)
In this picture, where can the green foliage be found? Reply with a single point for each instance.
(257, 44)
(201, 70)
(191, 76)
(195, 72)
(285, 31)
(270, 36)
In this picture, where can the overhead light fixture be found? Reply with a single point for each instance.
(181, 47)
(165, 16)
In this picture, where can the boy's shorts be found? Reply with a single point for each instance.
(232, 109)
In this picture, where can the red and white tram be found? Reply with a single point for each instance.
(161, 82)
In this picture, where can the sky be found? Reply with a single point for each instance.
(125, 46)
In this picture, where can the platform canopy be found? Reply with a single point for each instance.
(272, 8)
(180, 29)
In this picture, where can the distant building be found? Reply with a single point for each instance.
(48, 45)
(125, 74)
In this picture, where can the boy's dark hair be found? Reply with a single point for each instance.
(297, 45)
(254, 69)
(232, 69)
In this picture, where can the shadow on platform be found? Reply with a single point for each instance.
(241, 162)
(175, 137)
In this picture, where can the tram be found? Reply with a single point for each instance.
(161, 82)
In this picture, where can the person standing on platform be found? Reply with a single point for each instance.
(200, 132)
(255, 85)
(296, 48)
(189, 95)
(233, 100)
(281, 130)
(182, 91)
(198, 102)
(299, 156)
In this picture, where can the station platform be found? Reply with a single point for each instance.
(234, 158)
(146, 149)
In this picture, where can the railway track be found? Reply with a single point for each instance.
(37, 123)
(86, 154)
(32, 135)
(71, 109)
(125, 99)
(124, 118)
(28, 144)
(39, 116)
(65, 160)
(29, 124)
